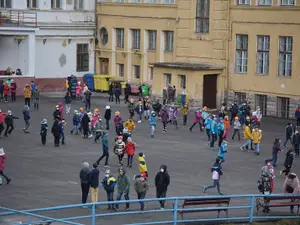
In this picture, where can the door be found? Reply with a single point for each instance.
(104, 64)
(210, 91)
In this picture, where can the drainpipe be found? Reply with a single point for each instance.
(226, 84)
(95, 36)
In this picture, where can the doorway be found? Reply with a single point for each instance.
(210, 91)
(104, 66)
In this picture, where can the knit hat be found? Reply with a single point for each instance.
(107, 172)
(2, 152)
(85, 165)
(107, 107)
(141, 154)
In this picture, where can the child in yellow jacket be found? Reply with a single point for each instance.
(142, 164)
(256, 138)
(247, 137)
(129, 124)
(185, 111)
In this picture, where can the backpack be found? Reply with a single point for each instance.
(289, 189)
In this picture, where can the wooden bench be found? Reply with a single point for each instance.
(277, 202)
(205, 201)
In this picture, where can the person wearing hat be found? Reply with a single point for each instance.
(222, 151)
(152, 123)
(291, 186)
(118, 149)
(141, 187)
(109, 183)
(142, 164)
(256, 138)
(56, 112)
(107, 116)
(185, 111)
(207, 125)
(44, 129)
(221, 130)
(288, 162)
(88, 96)
(236, 127)
(129, 124)
(26, 118)
(147, 106)
(68, 101)
(5, 91)
(129, 149)
(162, 182)
(117, 93)
(27, 94)
(105, 149)
(123, 187)
(36, 98)
(2, 120)
(85, 125)
(94, 182)
(78, 91)
(98, 128)
(13, 89)
(84, 181)
(213, 132)
(76, 121)
(131, 108)
(9, 120)
(117, 120)
(2, 161)
(197, 120)
(56, 130)
(139, 110)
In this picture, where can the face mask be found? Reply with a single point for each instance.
(162, 170)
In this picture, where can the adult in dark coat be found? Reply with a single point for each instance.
(127, 92)
(162, 181)
(85, 125)
(288, 162)
(170, 94)
(56, 128)
(111, 92)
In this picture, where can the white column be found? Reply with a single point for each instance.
(31, 54)
(129, 46)
(161, 47)
(63, 4)
(113, 53)
(145, 51)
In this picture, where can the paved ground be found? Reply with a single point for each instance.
(44, 176)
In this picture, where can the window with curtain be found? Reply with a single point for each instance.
(202, 16)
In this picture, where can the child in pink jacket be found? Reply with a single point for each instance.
(2, 160)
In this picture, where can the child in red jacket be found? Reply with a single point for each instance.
(5, 91)
(130, 150)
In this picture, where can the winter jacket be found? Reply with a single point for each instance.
(123, 183)
(297, 113)
(105, 143)
(61, 109)
(98, 126)
(130, 125)
(68, 99)
(36, 94)
(88, 96)
(85, 121)
(288, 162)
(276, 149)
(118, 147)
(227, 124)
(247, 133)
(213, 127)
(171, 113)
(222, 150)
(2, 159)
(139, 109)
(78, 90)
(291, 182)
(9, 120)
(152, 120)
(220, 127)
(141, 186)
(26, 114)
(27, 92)
(13, 87)
(164, 115)
(207, 123)
(117, 120)
(44, 129)
(84, 175)
(131, 106)
(234, 109)
(109, 183)
(198, 117)
(204, 115)
(94, 178)
(142, 164)
(107, 114)
(129, 149)
(2, 117)
(76, 120)
(146, 104)
(296, 139)
(56, 113)
(237, 125)
(117, 92)
(165, 94)
(256, 136)
(217, 167)
(289, 131)
(157, 106)
(184, 111)
(162, 180)
(6, 89)
(1, 87)
(56, 128)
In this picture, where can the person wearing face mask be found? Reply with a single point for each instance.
(162, 181)
(9, 120)
(123, 187)
(288, 162)
(141, 187)
(109, 183)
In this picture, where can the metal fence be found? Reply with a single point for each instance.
(34, 216)
(18, 18)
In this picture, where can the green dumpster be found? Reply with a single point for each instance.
(145, 89)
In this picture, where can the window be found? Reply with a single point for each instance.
(151, 39)
(261, 101)
(55, 4)
(82, 57)
(167, 79)
(288, 2)
(121, 70)
(151, 69)
(120, 1)
(283, 107)
(243, 2)
(78, 4)
(151, 1)
(182, 81)
(137, 72)
(169, 37)
(31, 4)
(136, 36)
(264, 2)
(168, 1)
(202, 16)
(136, 1)
(120, 37)
(241, 64)
(5, 3)
(103, 36)
(240, 97)
(263, 54)
(104, 66)
(285, 56)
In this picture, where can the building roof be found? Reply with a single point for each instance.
(187, 66)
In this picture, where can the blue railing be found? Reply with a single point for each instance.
(251, 204)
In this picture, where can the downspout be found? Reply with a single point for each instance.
(227, 83)
(95, 36)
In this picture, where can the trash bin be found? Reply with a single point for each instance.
(101, 82)
(88, 79)
(145, 89)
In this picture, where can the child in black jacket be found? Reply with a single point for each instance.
(44, 129)
(107, 116)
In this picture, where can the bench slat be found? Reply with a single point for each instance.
(271, 198)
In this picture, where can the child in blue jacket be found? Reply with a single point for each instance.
(26, 118)
(76, 121)
(221, 129)
(207, 124)
(222, 151)
(152, 123)
(213, 131)
(109, 183)
(44, 129)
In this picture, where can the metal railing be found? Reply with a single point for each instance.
(18, 18)
(175, 210)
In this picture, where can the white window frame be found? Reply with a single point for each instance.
(287, 2)
(182, 81)
(151, 1)
(167, 79)
(121, 70)
(32, 4)
(202, 16)
(169, 41)
(151, 72)
(168, 1)
(241, 59)
(136, 38)
(120, 37)
(265, 2)
(118, 1)
(240, 97)
(243, 2)
(152, 36)
(137, 71)
(285, 56)
(263, 54)
(56, 4)
(6, 4)
(136, 1)
(78, 4)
